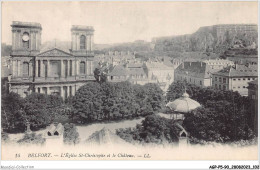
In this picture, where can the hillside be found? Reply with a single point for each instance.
(216, 38)
(136, 46)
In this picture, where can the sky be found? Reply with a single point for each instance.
(117, 22)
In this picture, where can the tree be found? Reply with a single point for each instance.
(70, 135)
(41, 110)
(100, 73)
(12, 117)
(153, 129)
(115, 101)
(32, 138)
(87, 102)
(220, 121)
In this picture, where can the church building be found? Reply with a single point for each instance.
(53, 71)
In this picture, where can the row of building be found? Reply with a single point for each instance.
(61, 71)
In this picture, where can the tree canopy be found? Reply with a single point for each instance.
(115, 101)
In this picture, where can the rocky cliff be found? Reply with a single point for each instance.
(216, 38)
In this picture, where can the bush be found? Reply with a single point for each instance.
(70, 135)
(5, 137)
(154, 129)
(32, 138)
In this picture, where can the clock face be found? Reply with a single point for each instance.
(25, 37)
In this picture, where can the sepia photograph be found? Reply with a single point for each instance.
(100, 80)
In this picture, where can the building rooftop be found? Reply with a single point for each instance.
(119, 70)
(195, 69)
(63, 45)
(239, 71)
(183, 104)
(255, 82)
(26, 24)
(82, 27)
(105, 136)
(218, 62)
(158, 65)
(134, 65)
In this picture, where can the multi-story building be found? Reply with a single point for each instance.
(218, 64)
(52, 71)
(159, 73)
(235, 78)
(132, 72)
(116, 57)
(199, 73)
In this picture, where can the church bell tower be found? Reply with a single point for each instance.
(26, 38)
(82, 40)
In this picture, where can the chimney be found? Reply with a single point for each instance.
(235, 66)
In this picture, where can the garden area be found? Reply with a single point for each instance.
(135, 113)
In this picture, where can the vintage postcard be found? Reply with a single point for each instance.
(129, 80)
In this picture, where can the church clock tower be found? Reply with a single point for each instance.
(26, 38)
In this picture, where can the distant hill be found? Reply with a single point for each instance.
(6, 50)
(216, 38)
(136, 46)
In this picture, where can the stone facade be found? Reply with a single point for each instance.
(235, 78)
(53, 71)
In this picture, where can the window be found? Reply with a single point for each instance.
(244, 79)
(253, 78)
(219, 79)
(238, 87)
(82, 67)
(224, 80)
(234, 79)
(238, 79)
(244, 86)
(25, 69)
(216, 86)
(39, 68)
(70, 91)
(70, 71)
(219, 86)
(248, 79)
(234, 87)
(216, 78)
(200, 82)
(82, 42)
